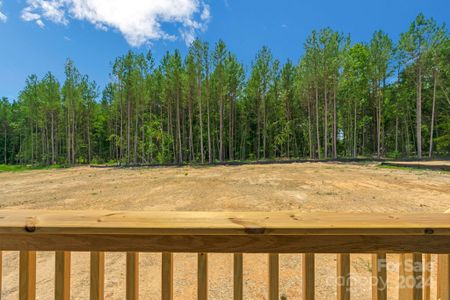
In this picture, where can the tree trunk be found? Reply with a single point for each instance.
(258, 129)
(221, 126)
(230, 129)
(121, 126)
(334, 124)
(317, 122)
(150, 136)
(309, 129)
(170, 131)
(210, 156)
(325, 123)
(32, 142)
(180, 153)
(4, 147)
(73, 136)
(264, 126)
(377, 95)
(68, 137)
(199, 93)
(408, 138)
(143, 141)
(419, 113)
(396, 134)
(128, 128)
(89, 139)
(355, 134)
(42, 154)
(53, 138)
(430, 153)
(136, 122)
(191, 136)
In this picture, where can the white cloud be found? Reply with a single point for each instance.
(3, 17)
(40, 23)
(37, 10)
(139, 21)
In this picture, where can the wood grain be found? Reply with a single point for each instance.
(202, 276)
(404, 273)
(427, 276)
(259, 243)
(443, 278)
(410, 275)
(343, 276)
(234, 232)
(62, 275)
(220, 223)
(253, 232)
(27, 275)
(1, 272)
(274, 276)
(418, 279)
(308, 276)
(132, 280)
(379, 277)
(167, 276)
(97, 276)
(238, 286)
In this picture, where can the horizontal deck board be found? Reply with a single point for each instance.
(220, 223)
(227, 243)
(243, 232)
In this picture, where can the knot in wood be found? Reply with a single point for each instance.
(30, 225)
(429, 231)
(255, 230)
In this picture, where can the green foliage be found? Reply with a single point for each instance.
(22, 168)
(341, 99)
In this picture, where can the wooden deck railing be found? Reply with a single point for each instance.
(414, 236)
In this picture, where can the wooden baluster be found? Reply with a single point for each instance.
(1, 272)
(202, 276)
(343, 276)
(426, 276)
(443, 277)
(379, 277)
(417, 273)
(404, 273)
(410, 276)
(62, 275)
(27, 275)
(132, 289)
(308, 276)
(167, 276)
(97, 275)
(238, 289)
(274, 274)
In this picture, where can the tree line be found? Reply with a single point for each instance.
(342, 99)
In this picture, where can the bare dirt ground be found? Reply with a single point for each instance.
(306, 187)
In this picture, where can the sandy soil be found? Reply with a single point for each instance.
(331, 187)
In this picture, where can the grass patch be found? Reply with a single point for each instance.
(23, 168)
(398, 168)
(412, 168)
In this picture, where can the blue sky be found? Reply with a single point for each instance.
(35, 40)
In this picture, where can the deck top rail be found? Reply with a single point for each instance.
(246, 232)
(415, 236)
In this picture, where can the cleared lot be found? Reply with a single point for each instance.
(306, 187)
